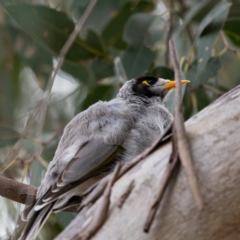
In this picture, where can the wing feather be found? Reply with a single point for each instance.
(93, 158)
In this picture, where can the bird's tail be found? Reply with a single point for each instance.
(35, 222)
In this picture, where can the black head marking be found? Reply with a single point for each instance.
(150, 79)
(143, 84)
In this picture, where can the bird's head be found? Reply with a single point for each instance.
(151, 86)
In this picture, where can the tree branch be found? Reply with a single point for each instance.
(225, 42)
(163, 184)
(16, 191)
(182, 139)
(101, 212)
(21, 193)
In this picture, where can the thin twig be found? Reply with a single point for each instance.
(61, 59)
(182, 140)
(53, 137)
(41, 149)
(101, 210)
(163, 184)
(226, 44)
(9, 165)
(126, 194)
(208, 88)
(43, 162)
(93, 194)
(169, 33)
(42, 105)
(25, 170)
(212, 89)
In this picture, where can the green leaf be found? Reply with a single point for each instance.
(119, 70)
(50, 150)
(197, 12)
(104, 93)
(187, 105)
(202, 98)
(8, 136)
(210, 71)
(136, 61)
(194, 101)
(102, 69)
(138, 58)
(157, 32)
(10, 67)
(136, 30)
(33, 55)
(52, 29)
(99, 16)
(82, 73)
(215, 18)
(209, 29)
(163, 72)
(113, 32)
(95, 41)
(231, 27)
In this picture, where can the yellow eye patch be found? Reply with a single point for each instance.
(145, 82)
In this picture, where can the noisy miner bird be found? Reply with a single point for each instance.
(95, 140)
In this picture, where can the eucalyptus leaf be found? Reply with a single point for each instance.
(82, 73)
(8, 136)
(197, 12)
(52, 29)
(33, 55)
(94, 40)
(136, 30)
(215, 18)
(202, 98)
(187, 104)
(113, 32)
(99, 16)
(119, 70)
(138, 58)
(102, 69)
(102, 92)
(210, 71)
(163, 72)
(209, 29)
(10, 68)
(231, 27)
(7, 99)
(136, 61)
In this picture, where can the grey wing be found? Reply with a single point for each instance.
(93, 158)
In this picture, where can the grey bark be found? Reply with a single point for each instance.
(214, 136)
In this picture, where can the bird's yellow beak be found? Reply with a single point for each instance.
(172, 84)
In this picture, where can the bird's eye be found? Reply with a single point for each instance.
(146, 82)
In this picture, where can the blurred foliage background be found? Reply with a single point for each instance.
(120, 40)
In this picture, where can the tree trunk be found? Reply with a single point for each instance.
(214, 136)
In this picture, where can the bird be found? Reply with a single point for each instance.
(95, 140)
